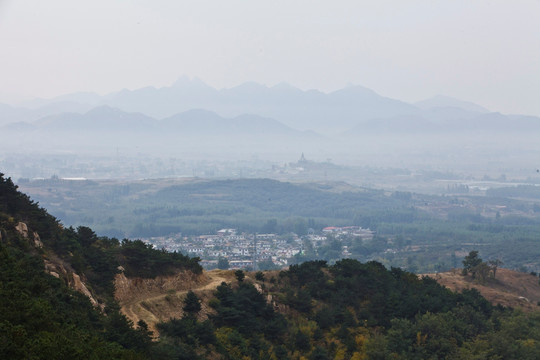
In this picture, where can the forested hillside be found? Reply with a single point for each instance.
(348, 310)
(42, 265)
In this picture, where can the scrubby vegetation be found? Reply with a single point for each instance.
(352, 310)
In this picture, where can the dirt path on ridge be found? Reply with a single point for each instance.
(140, 308)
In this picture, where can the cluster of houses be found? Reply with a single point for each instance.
(244, 250)
(355, 231)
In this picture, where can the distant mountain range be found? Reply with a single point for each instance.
(190, 106)
(193, 122)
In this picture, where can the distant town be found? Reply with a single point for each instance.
(228, 248)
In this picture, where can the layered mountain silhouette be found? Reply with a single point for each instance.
(112, 120)
(191, 106)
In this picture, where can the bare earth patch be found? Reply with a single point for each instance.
(509, 288)
(161, 299)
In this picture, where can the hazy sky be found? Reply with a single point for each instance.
(483, 51)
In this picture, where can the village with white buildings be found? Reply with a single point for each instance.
(254, 251)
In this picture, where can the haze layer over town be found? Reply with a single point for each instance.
(351, 83)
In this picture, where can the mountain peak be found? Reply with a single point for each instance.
(356, 90)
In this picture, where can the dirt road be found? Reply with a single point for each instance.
(153, 309)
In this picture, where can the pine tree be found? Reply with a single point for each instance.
(192, 304)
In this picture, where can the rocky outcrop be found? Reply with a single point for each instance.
(80, 286)
(53, 264)
(22, 229)
(37, 240)
(55, 268)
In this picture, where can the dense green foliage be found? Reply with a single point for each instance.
(186, 338)
(43, 318)
(142, 260)
(352, 310)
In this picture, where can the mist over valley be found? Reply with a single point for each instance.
(353, 127)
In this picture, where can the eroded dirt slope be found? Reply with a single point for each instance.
(509, 288)
(160, 299)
